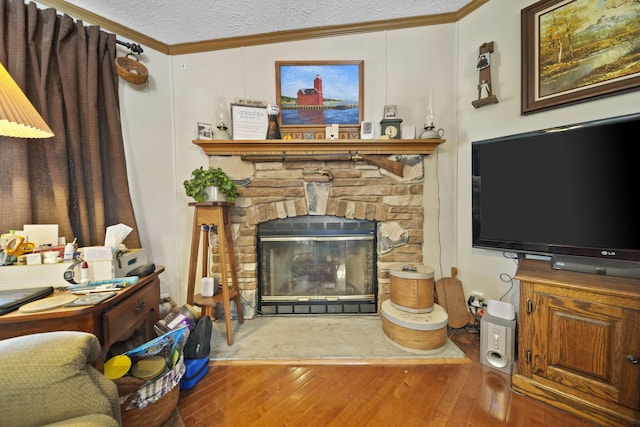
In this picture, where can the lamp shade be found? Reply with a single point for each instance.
(18, 117)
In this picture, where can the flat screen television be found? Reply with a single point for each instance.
(570, 193)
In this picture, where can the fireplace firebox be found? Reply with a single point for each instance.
(317, 264)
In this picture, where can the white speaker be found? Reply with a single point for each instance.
(497, 342)
(503, 310)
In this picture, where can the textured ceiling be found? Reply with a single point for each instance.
(183, 21)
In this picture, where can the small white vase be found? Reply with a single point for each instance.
(214, 194)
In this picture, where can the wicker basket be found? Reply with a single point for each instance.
(153, 415)
(130, 69)
(140, 407)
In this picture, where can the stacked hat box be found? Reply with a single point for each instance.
(410, 318)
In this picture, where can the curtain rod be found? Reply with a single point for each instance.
(135, 47)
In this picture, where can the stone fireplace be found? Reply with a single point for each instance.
(340, 189)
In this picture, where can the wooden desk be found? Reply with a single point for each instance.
(111, 321)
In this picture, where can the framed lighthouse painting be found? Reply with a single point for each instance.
(315, 94)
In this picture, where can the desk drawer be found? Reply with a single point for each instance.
(137, 309)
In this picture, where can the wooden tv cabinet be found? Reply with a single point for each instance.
(134, 308)
(579, 343)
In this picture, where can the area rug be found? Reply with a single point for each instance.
(319, 339)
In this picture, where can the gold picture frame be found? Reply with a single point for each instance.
(315, 94)
(566, 51)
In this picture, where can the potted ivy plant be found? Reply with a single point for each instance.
(202, 179)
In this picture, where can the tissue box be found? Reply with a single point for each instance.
(125, 262)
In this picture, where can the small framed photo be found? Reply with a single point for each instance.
(366, 130)
(390, 111)
(205, 131)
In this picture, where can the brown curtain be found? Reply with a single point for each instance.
(78, 178)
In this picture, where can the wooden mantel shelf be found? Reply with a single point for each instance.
(310, 146)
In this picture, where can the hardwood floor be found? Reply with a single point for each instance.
(468, 394)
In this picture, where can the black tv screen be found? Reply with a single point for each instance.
(572, 190)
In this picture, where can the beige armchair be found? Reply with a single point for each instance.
(48, 379)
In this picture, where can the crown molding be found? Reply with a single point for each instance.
(311, 33)
(260, 39)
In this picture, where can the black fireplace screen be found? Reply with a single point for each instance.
(317, 264)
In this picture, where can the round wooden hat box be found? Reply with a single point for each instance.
(421, 333)
(412, 288)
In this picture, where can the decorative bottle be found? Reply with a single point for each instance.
(84, 273)
(69, 250)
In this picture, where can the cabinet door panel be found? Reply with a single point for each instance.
(630, 348)
(584, 335)
(581, 340)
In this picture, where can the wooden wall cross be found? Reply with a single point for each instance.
(485, 89)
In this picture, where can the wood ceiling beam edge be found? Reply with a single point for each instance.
(260, 39)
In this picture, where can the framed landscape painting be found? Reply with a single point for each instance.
(315, 94)
(575, 50)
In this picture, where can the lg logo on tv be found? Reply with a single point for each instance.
(608, 253)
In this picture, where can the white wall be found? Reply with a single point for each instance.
(401, 67)
(149, 135)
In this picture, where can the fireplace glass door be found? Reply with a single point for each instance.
(317, 274)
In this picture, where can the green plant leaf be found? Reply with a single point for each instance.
(202, 178)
